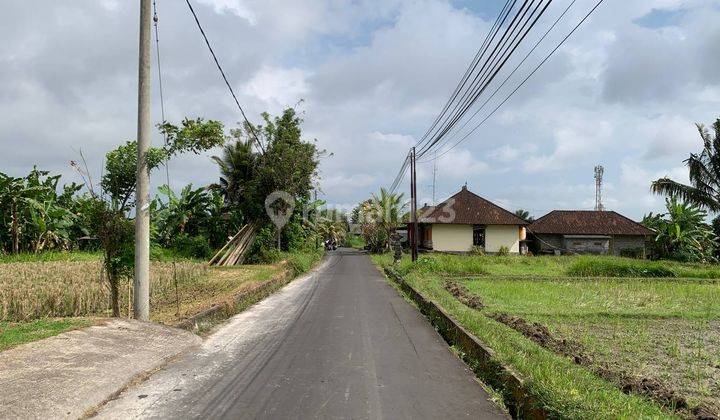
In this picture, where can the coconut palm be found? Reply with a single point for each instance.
(387, 209)
(704, 174)
(237, 166)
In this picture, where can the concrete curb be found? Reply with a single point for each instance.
(482, 358)
(225, 310)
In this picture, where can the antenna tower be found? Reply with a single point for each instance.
(599, 170)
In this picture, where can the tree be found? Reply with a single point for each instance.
(681, 233)
(379, 217)
(266, 158)
(525, 215)
(109, 209)
(704, 171)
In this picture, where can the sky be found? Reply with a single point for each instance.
(369, 77)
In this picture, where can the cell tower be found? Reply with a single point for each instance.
(598, 188)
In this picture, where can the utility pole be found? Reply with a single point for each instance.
(141, 295)
(413, 207)
(434, 178)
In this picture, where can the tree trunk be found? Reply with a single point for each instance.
(114, 296)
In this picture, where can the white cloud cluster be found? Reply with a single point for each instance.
(623, 92)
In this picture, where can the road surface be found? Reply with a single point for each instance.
(339, 343)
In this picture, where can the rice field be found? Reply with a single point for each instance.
(34, 290)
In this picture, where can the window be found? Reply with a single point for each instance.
(479, 236)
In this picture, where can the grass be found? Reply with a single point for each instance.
(44, 296)
(354, 241)
(667, 329)
(14, 334)
(46, 256)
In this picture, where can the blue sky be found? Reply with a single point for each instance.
(624, 92)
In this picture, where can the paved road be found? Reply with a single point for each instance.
(340, 343)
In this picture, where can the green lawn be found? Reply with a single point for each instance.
(15, 333)
(662, 329)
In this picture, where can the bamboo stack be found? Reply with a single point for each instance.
(234, 251)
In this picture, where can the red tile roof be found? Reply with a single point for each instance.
(587, 222)
(466, 208)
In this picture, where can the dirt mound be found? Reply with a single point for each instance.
(462, 294)
(542, 336)
(650, 387)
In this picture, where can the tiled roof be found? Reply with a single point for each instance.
(467, 208)
(587, 222)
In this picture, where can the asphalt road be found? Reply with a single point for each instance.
(339, 343)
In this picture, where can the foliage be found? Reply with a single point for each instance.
(379, 217)
(587, 266)
(681, 233)
(704, 171)
(503, 251)
(36, 216)
(525, 215)
(192, 246)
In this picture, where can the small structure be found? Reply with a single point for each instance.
(587, 232)
(465, 221)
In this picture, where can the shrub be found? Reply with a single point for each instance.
(637, 253)
(587, 266)
(192, 246)
(503, 251)
(477, 250)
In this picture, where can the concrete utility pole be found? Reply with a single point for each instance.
(413, 233)
(141, 295)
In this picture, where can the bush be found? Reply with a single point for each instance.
(637, 253)
(477, 250)
(587, 266)
(192, 246)
(503, 251)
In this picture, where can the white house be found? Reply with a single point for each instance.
(466, 220)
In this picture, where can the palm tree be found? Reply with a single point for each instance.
(682, 233)
(524, 214)
(704, 174)
(388, 209)
(19, 193)
(237, 166)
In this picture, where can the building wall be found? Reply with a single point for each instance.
(452, 238)
(547, 243)
(497, 236)
(620, 242)
(459, 238)
(598, 246)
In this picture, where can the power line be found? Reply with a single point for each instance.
(222, 72)
(524, 80)
(471, 67)
(482, 106)
(160, 86)
(512, 47)
(474, 83)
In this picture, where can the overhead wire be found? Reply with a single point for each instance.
(222, 73)
(517, 67)
(473, 84)
(525, 79)
(500, 61)
(471, 68)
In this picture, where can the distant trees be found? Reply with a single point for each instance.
(379, 217)
(525, 215)
(681, 233)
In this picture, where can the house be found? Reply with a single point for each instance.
(587, 232)
(467, 220)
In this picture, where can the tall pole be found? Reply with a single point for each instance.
(141, 295)
(413, 206)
